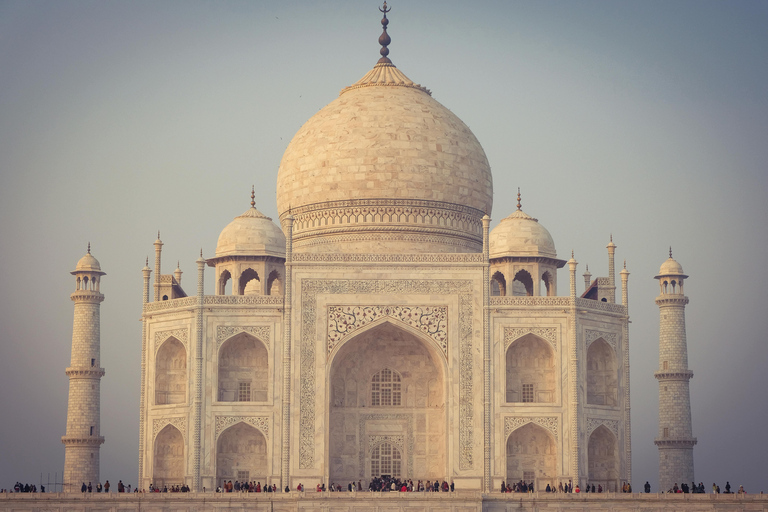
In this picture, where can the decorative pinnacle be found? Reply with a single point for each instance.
(146, 263)
(519, 206)
(253, 196)
(201, 252)
(625, 264)
(670, 251)
(384, 38)
(571, 253)
(89, 247)
(611, 237)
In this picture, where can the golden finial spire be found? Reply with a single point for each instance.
(384, 38)
(519, 206)
(253, 197)
(146, 262)
(89, 247)
(670, 251)
(625, 264)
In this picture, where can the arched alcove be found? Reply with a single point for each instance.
(168, 467)
(367, 374)
(241, 454)
(249, 284)
(547, 284)
(224, 284)
(532, 455)
(171, 373)
(274, 283)
(603, 460)
(498, 284)
(602, 374)
(243, 370)
(522, 284)
(530, 371)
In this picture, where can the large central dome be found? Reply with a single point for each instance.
(385, 168)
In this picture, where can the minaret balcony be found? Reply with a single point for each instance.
(82, 441)
(673, 375)
(85, 372)
(670, 442)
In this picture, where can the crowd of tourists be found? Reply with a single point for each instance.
(699, 489)
(386, 484)
(20, 487)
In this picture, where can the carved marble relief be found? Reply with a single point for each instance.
(344, 320)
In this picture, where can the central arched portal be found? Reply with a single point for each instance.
(387, 411)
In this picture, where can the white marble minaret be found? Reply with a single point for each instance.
(83, 439)
(675, 439)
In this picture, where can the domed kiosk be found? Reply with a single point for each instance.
(523, 257)
(250, 252)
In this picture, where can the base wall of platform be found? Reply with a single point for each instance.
(460, 501)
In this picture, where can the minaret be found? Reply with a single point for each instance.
(587, 279)
(675, 439)
(83, 438)
(611, 295)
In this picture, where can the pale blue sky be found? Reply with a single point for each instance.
(645, 119)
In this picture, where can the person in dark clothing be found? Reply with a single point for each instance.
(647, 487)
(83, 487)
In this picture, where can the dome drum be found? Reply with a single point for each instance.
(371, 225)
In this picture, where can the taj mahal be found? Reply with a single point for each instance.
(379, 327)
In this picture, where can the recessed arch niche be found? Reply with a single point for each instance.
(171, 373)
(241, 454)
(532, 456)
(168, 467)
(243, 370)
(416, 424)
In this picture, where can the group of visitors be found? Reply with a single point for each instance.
(523, 486)
(228, 486)
(20, 487)
(173, 488)
(99, 488)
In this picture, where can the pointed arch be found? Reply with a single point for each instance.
(243, 369)
(171, 373)
(522, 284)
(224, 280)
(531, 451)
(436, 342)
(498, 284)
(362, 412)
(168, 459)
(530, 370)
(241, 450)
(602, 374)
(603, 458)
(249, 283)
(274, 283)
(548, 282)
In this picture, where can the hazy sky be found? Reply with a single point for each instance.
(644, 119)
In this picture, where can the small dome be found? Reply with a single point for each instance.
(88, 263)
(251, 234)
(521, 235)
(671, 266)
